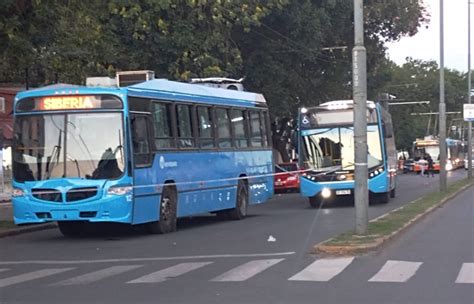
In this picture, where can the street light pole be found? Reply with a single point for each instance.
(443, 185)
(469, 124)
(359, 91)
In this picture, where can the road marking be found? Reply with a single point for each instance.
(396, 271)
(4, 269)
(322, 270)
(466, 275)
(31, 276)
(150, 259)
(97, 275)
(246, 271)
(168, 273)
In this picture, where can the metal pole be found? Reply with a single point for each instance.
(443, 185)
(469, 124)
(359, 91)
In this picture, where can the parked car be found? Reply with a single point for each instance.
(286, 178)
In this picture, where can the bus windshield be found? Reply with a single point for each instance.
(328, 149)
(79, 145)
(433, 151)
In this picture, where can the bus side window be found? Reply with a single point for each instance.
(238, 120)
(185, 133)
(255, 129)
(140, 140)
(205, 127)
(162, 126)
(223, 129)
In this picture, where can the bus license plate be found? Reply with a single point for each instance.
(343, 192)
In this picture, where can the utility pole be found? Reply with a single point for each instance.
(469, 124)
(443, 185)
(359, 91)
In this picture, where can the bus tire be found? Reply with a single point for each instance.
(382, 198)
(241, 204)
(168, 211)
(314, 201)
(71, 228)
(393, 193)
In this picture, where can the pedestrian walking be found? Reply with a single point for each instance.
(430, 166)
(423, 164)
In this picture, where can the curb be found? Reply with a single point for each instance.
(321, 248)
(26, 229)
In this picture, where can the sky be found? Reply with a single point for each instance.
(425, 44)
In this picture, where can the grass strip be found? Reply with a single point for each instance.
(393, 221)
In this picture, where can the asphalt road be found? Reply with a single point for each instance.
(207, 260)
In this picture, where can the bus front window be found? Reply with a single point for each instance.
(329, 149)
(80, 145)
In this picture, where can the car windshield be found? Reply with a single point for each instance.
(333, 148)
(80, 145)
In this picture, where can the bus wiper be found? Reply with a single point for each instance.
(54, 154)
(77, 165)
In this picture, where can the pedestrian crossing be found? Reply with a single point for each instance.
(324, 270)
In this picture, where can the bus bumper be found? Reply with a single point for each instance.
(117, 209)
(377, 184)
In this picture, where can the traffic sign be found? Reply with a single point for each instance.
(468, 112)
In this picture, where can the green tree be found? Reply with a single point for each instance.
(418, 80)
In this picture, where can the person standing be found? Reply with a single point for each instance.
(423, 164)
(430, 166)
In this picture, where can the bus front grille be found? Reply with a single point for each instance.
(79, 194)
(50, 195)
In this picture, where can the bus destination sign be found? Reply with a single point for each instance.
(68, 103)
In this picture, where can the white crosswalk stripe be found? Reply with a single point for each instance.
(322, 270)
(3, 269)
(396, 271)
(246, 271)
(171, 272)
(97, 275)
(31, 276)
(466, 274)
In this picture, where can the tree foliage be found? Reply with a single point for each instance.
(296, 52)
(419, 81)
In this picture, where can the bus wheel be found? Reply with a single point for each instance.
(168, 209)
(393, 193)
(242, 202)
(314, 201)
(71, 229)
(380, 198)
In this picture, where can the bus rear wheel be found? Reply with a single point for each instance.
(168, 210)
(241, 205)
(72, 228)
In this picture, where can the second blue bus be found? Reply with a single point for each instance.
(326, 152)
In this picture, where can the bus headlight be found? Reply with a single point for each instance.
(119, 190)
(326, 193)
(449, 167)
(17, 192)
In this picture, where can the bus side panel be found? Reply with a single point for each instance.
(206, 181)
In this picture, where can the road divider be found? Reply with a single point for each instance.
(391, 224)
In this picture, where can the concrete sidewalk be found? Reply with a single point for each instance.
(6, 212)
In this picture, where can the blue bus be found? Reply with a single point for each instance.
(144, 154)
(326, 152)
